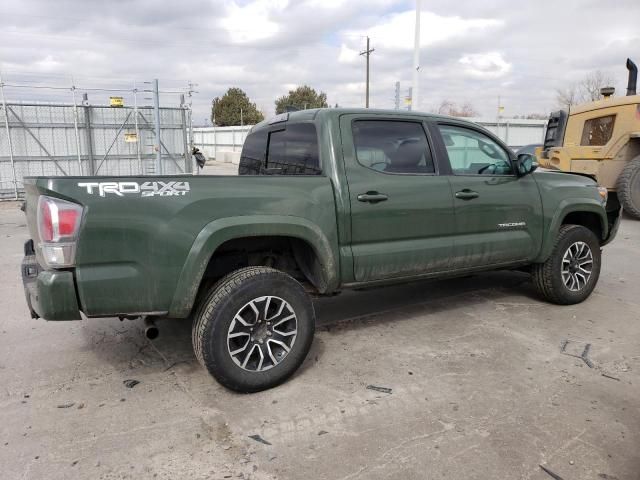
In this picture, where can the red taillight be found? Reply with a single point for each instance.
(45, 224)
(58, 226)
(67, 222)
(58, 220)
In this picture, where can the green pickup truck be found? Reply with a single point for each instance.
(325, 200)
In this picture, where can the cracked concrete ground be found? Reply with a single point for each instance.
(480, 388)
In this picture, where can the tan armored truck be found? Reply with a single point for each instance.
(600, 139)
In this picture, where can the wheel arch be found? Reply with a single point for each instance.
(588, 213)
(312, 250)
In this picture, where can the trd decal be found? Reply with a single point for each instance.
(145, 189)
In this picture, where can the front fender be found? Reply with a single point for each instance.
(222, 230)
(565, 207)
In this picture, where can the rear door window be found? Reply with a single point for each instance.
(254, 153)
(392, 146)
(294, 151)
(289, 151)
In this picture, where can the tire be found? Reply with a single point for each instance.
(573, 286)
(629, 188)
(253, 305)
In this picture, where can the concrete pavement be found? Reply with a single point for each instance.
(479, 387)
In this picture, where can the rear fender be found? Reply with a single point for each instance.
(222, 230)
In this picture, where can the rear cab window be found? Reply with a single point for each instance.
(284, 149)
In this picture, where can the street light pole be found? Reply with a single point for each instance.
(416, 60)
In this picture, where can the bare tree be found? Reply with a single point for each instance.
(586, 90)
(466, 110)
(447, 107)
(592, 83)
(444, 108)
(565, 97)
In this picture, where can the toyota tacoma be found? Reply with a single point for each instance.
(325, 200)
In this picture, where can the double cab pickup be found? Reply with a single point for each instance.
(325, 200)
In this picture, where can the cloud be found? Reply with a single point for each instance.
(397, 31)
(347, 55)
(471, 51)
(252, 22)
(485, 65)
(332, 4)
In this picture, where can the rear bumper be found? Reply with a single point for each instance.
(50, 294)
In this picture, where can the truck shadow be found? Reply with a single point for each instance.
(377, 304)
(124, 346)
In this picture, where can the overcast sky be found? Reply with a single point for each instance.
(471, 50)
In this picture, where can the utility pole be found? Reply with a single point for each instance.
(397, 97)
(156, 110)
(416, 59)
(410, 99)
(367, 53)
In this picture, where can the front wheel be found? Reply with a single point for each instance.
(254, 329)
(571, 272)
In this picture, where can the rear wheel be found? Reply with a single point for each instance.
(571, 272)
(629, 188)
(254, 329)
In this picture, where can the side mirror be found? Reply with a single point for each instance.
(525, 164)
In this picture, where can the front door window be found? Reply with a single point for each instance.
(473, 153)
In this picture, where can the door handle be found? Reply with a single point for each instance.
(467, 194)
(372, 197)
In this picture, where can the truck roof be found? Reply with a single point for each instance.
(311, 114)
(604, 103)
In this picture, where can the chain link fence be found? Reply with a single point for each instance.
(69, 139)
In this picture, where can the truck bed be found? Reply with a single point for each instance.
(138, 234)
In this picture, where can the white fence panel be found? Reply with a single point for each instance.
(213, 140)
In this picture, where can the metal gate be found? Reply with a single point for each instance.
(68, 139)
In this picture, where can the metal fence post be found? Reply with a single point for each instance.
(75, 124)
(191, 138)
(89, 135)
(156, 108)
(138, 139)
(9, 141)
(188, 165)
(215, 144)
